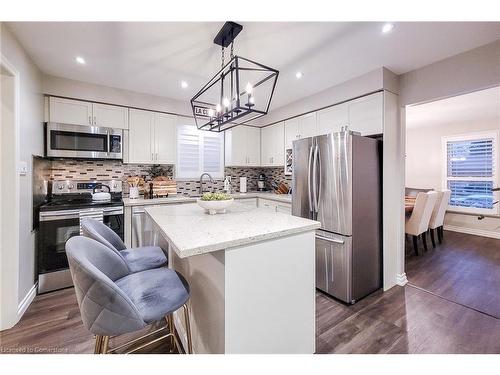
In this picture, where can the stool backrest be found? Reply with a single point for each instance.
(100, 232)
(105, 309)
(437, 217)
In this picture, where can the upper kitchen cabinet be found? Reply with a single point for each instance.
(332, 119)
(242, 146)
(68, 111)
(272, 145)
(366, 114)
(151, 138)
(300, 127)
(79, 112)
(110, 116)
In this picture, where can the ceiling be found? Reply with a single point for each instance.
(154, 58)
(475, 107)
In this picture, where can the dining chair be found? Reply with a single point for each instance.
(137, 259)
(437, 218)
(113, 301)
(418, 223)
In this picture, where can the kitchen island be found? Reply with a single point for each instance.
(251, 273)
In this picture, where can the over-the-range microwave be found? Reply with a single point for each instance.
(81, 141)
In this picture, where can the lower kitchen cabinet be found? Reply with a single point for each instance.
(275, 205)
(252, 202)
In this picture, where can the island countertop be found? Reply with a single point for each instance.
(190, 231)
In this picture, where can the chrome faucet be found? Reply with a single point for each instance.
(201, 181)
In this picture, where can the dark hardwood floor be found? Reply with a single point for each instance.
(451, 305)
(463, 269)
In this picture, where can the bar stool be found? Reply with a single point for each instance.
(138, 259)
(114, 301)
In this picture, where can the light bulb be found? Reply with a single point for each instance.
(387, 28)
(249, 88)
(218, 108)
(226, 103)
(80, 60)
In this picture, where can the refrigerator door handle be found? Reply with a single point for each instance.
(340, 242)
(315, 183)
(309, 178)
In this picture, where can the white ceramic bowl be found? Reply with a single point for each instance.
(214, 207)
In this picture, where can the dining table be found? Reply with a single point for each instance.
(409, 204)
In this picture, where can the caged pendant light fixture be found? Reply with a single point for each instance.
(239, 92)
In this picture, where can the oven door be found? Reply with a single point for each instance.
(83, 141)
(57, 227)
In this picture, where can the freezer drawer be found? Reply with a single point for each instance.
(333, 265)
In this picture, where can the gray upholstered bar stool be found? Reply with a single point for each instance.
(114, 301)
(138, 259)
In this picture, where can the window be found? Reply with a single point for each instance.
(199, 152)
(470, 171)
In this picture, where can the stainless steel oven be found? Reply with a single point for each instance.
(75, 141)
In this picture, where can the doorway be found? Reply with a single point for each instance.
(453, 145)
(9, 187)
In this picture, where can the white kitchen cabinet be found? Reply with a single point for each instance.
(272, 145)
(164, 138)
(140, 138)
(242, 146)
(151, 138)
(366, 114)
(275, 206)
(110, 116)
(300, 127)
(333, 118)
(68, 111)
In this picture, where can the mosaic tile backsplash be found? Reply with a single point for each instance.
(70, 169)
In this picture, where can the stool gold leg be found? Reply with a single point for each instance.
(105, 344)
(170, 324)
(98, 344)
(188, 329)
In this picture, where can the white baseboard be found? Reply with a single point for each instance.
(475, 232)
(401, 279)
(28, 298)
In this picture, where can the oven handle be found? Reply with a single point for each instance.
(74, 214)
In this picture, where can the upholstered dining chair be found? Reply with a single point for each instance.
(114, 301)
(137, 259)
(418, 223)
(437, 218)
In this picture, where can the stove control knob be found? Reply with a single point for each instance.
(60, 186)
(71, 186)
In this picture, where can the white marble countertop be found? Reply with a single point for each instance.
(284, 198)
(190, 231)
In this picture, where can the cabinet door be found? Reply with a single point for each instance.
(278, 145)
(110, 116)
(267, 204)
(235, 144)
(307, 125)
(291, 132)
(164, 139)
(140, 143)
(332, 119)
(284, 207)
(253, 146)
(68, 111)
(266, 145)
(366, 114)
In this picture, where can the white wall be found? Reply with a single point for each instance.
(30, 142)
(88, 91)
(424, 161)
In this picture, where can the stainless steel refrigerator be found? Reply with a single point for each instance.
(337, 180)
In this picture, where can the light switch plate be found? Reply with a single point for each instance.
(23, 168)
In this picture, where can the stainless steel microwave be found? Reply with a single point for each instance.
(90, 142)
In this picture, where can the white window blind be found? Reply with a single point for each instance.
(199, 152)
(471, 171)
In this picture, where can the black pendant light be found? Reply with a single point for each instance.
(240, 91)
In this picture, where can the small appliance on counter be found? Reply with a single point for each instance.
(261, 183)
(60, 217)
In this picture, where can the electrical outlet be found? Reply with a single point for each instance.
(23, 168)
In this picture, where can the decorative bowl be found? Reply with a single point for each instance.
(214, 207)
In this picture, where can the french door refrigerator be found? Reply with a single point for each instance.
(337, 180)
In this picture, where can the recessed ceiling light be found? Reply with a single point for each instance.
(80, 60)
(299, 75)
(387, 28)
(184, 84)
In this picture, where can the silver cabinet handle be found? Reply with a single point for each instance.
(156, 156)
(95, 120)
(319, 237)
(152, 156)
(309, 178)
(90, 120)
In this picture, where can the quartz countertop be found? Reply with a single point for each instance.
(190, 231)
(284, 198)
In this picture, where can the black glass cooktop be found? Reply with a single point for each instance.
(76, 201)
